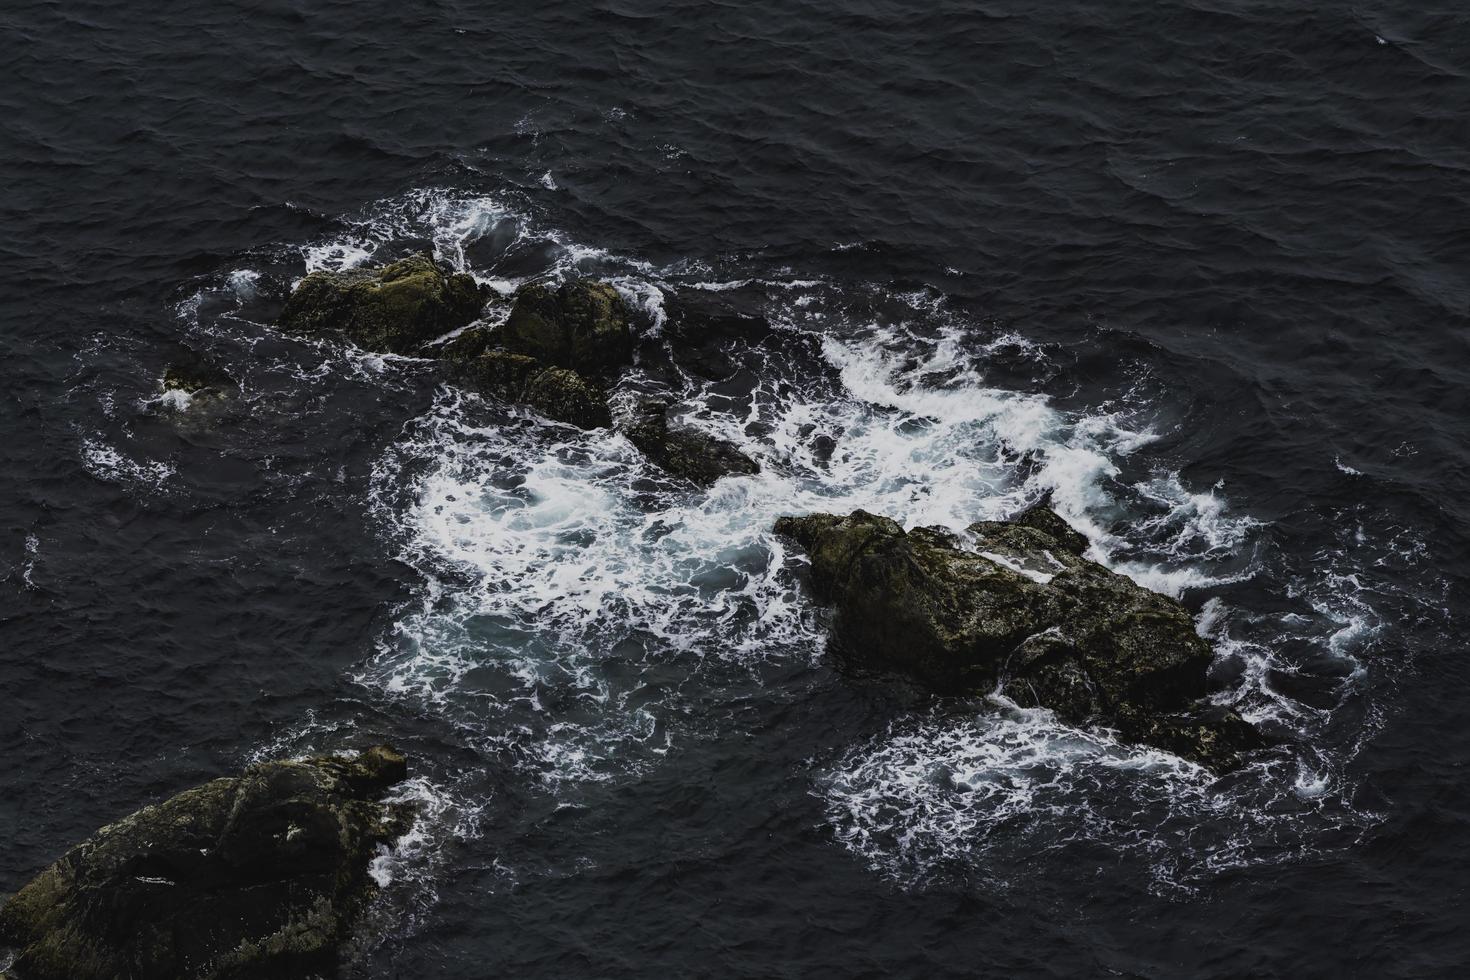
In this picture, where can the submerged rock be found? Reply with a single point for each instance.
(397, 308)
(1021, 610)
(581, 324)
(257, 875)
(683, 451)
(558, 393)
(194, 374)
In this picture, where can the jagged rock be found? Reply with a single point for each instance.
(823, 446)
(1019, 608)
(558, 393)
(397, 308)
(257, 875)
(581, 324)
(683, 451)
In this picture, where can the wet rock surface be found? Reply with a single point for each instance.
(683, 451)
(257, 875)
(565, 396)
(1018, 608)
(395, 309)
(580, 324)
(559, 394)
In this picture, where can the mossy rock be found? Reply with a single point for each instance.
(559, 394)
(499, 374)
(395, 309)
(1019, 608)
(258, 875)
(564, 395)
(470, 344)
(685, 452)
(581, 324)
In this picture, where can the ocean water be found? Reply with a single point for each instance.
(1200, 272)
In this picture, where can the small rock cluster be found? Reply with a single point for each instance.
(557, 350)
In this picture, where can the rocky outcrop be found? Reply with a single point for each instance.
(581, 324)
(558, 393)
(683, 451)
(257, 875)
(1017, 607)
(396, 309)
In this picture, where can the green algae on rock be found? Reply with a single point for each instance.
(685, 452)
(581, 324)
(559, 394)
(1019, 609)
(395, 309)
(257, 875)
(564, 395)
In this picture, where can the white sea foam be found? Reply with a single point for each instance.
(570, 589)
(549, 554)
(28, 568)
(108, 464)
(1015, 566)
(441, 819)
(244, 283)
(336, 256)
(172, 400)
(985, 794)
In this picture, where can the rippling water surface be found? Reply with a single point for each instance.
(1198, 271)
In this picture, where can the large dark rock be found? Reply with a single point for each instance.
(257, 875)
(557, 393)
(581, 324)
(1019, 608)
(682, 451)
(397, 308)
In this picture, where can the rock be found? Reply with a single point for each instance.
(192, 373)
(397, 308)
(581, 324)
(1020, 609)
(685, 452)
(558, 393)
(473, 342)
(822, 447)
(564, 395)
(257, 875)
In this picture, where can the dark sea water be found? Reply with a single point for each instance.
(1199, 269)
